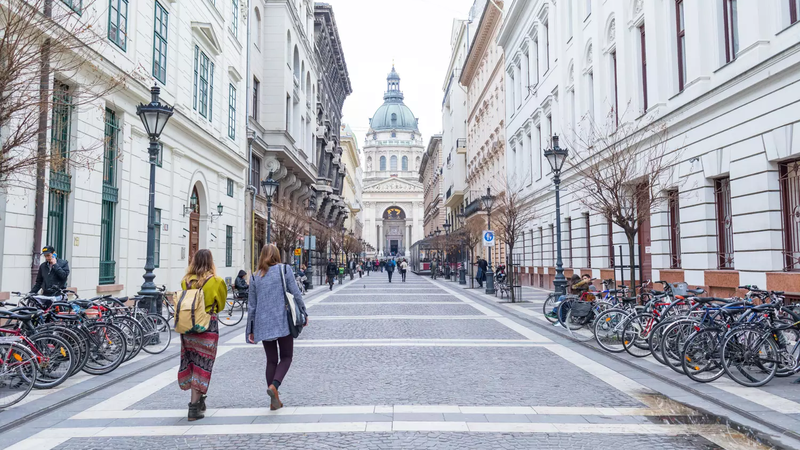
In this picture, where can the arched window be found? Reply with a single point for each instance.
(394, 119)
(383, 163)
(308, 81)
(405, 162)
(393, 163)
(258, 28)
(417, 162)
(302, 80)
(296, 65)
(394, 135)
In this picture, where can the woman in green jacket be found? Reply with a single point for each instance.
(199, 350)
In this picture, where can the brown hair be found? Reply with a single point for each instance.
(201, 266)
(268, 258)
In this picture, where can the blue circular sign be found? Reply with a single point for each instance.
(488, 236)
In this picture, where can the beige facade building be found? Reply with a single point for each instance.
(430, 175)
(351, 193)
(483, 77)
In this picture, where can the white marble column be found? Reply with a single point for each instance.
(408, 239)
(379, 243)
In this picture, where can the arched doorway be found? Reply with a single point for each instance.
(194, 223)
(394, 235)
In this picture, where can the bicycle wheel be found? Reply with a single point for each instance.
(549, 307)
(656, 337)
(73, 339)
(578, 327)
(608, 329)
(157, 334)
(750, 357)
(17, 373)
(635, 334)
(134, 335)
(673, 342)
(701, 358)
(107, 348)
(563, 309)
(55, 360)
(232, 314)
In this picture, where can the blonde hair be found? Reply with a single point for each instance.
(201, 266)
(268, 258)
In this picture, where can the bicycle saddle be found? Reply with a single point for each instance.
(628, 299)
(697, 291)
(710, 299)
(85, 304)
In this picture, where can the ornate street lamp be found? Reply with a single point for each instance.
(488, 202)
(219, 213)
(556, 156)
(446, 227)
(311, 211)
(270, 186)
(154, 117)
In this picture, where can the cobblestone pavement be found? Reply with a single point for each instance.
(403, 366)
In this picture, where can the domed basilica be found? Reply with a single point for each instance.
(393, 196)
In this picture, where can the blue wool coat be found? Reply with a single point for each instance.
(266, 307)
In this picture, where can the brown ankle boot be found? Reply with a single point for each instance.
(275, 399)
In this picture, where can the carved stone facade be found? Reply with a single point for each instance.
(392, 195)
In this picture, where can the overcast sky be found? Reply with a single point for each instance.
(416, 34)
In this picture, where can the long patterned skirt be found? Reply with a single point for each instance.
(198, 352)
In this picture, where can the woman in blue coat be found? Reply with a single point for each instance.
(266, 317)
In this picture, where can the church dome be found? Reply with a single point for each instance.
(393, 114)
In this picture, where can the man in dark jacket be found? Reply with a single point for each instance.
(242, 289)
(390, 265)
(331, 271)
(53, 273)
(483, 266)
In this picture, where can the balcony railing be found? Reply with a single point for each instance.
(473, 207)
(107, 272)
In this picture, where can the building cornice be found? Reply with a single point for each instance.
(490, 19)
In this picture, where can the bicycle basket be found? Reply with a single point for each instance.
(581, 309)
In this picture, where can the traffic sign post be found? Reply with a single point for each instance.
(488, 238)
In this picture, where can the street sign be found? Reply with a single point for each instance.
(297, 252)
(488, 238)
(309, 242)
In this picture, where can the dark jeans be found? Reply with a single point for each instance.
(403, 274)
(331, 278)
(277, 370)
(390, 272)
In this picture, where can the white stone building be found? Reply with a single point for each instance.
(393, 196)
(353, 188)
(482, 76)
(721, 77)
(96, 216)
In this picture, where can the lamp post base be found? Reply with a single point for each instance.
(490, 282)
(309, 277)
(462, 276)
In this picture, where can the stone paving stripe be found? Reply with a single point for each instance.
(389, 410)
(612, 377)
(752, 394)
(466, 300)
(49, 438)
(523, 330)
(385, 303)
(401, 317)
(382, 293)
(144, 389)
(403, 309)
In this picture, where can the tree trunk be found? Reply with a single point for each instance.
(510, 271)
(41, 151)
(632, 259)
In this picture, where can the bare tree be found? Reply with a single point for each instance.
(513, 216)
(472, 235)
(287, 227)
(41, 41)
(622, 172)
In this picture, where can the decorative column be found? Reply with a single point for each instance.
(379, 239)
(408, 240)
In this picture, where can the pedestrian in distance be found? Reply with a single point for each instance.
(199, 350)
(331, 271)
(383, 265)
(266, 317)
(390, 266)
(482, 268)
(403, 269)
(240, 284)
(360, 270)
(52, 275)
(434, 268)
(368, 266)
